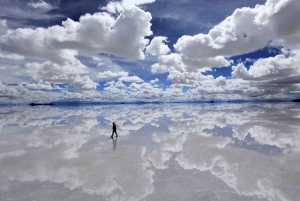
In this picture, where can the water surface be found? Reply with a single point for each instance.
(164, 152)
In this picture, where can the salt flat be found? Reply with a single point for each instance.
(163, 152)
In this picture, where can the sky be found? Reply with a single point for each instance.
(149, 50)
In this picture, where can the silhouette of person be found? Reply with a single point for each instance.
(114, 143)
(114, 130)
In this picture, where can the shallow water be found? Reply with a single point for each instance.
(163, 152)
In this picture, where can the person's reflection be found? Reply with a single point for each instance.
(114, 140)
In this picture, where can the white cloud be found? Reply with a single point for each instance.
(119, 6)
(246, 30)
(113, 7)
(62, 74)
(271, 68)
(121, 36)
(274, 75)
(40, 5)
(83, 84)
(106, 63)
(56, 73)
(167, 63)
(11, 56)
(157, 46)
(134, 86)
(106, 75)
(154, 81)
(205, 64)
(17, 94)
(131, 79)
(187, 78)
(11, 92)
(37, 86)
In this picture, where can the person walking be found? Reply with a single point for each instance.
(114, 128)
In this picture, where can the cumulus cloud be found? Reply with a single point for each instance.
(20, 93)
(106, 75)
(37, 86)
(83, 84)
(205, 64)
(11, 56)
(119, 6)
(113, 7)
(54, 72)
(131, 79)
(271, 68)
(154, 81)
(54, 51)
(246, 30)
(11, 92)
(157, 46)
(122, 36)
(274, 75)
(40, 5)
(167, 63)
(187, 78)
(54, 54)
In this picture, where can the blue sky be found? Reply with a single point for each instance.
(149, 50)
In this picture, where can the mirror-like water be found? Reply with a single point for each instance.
(163, 152)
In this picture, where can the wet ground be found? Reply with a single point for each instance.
(164, 152)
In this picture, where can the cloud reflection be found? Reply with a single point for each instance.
(234, 143)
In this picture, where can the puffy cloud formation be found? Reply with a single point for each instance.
(97, 33)
(119, 6)
(83, 84)
(11, 56)
(59, 46)
(54, 72)
(40, 5)
(246, 30)
(157, 46)
(187, 78)
(21, 93)
(168, 63)
(131, 79)
(273, 68)
(108, 75)
(154, 81)
(61, 54)
(279, 74)
(11, 92)
(44, 85)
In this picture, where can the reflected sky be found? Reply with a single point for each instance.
(163, 152)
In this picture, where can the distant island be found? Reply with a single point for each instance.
(296, 100)
(36, 104)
